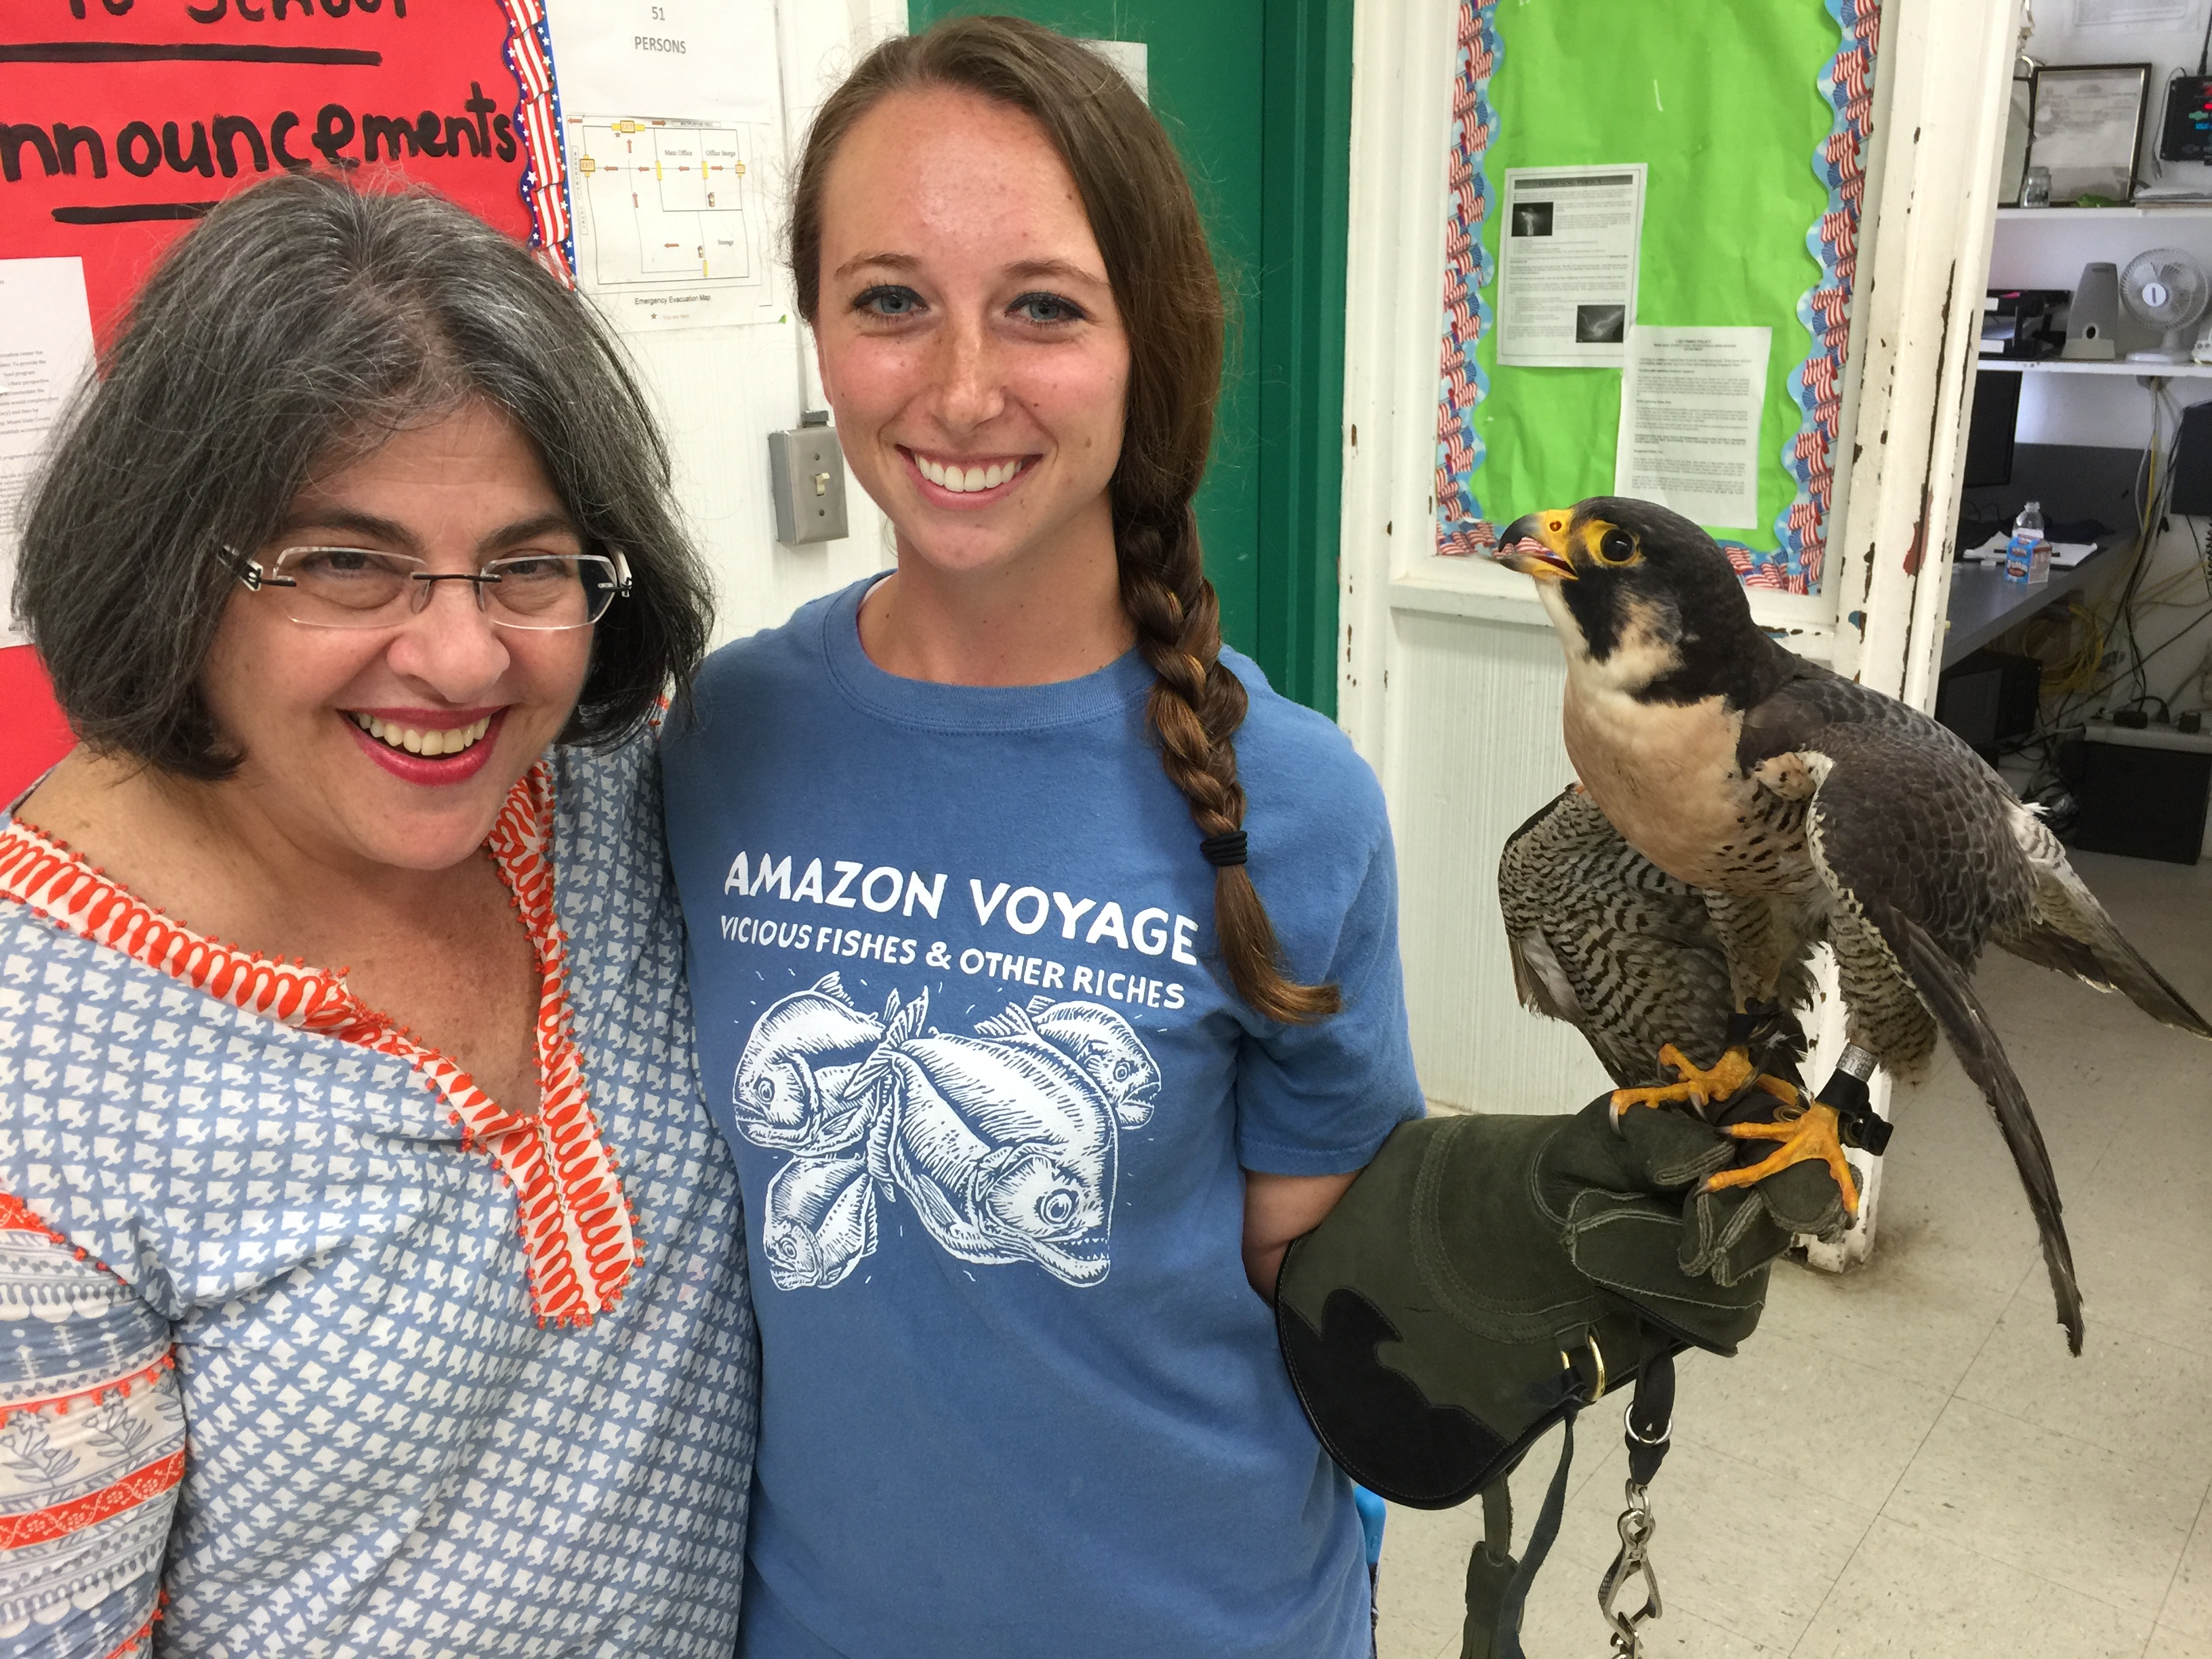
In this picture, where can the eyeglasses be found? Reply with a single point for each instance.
(355, 587)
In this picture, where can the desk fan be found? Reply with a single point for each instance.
(2167, 289)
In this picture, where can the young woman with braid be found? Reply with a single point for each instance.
(1024, 1081)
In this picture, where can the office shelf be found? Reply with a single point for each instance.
(2059, 366)
(2070, 215)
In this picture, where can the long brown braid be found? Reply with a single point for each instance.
(1148, 229)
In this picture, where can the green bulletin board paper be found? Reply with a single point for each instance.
(1722, 101)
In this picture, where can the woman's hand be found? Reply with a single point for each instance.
(1278, 1208)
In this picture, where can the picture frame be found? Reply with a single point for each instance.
(2020, 115)
(2085, 126)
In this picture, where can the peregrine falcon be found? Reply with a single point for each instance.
(1817, 809)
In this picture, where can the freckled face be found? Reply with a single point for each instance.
(967, 332)
(481, 703)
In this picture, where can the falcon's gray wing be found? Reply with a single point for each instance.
(1603, 939)
(1912, 834)
(2070, 931)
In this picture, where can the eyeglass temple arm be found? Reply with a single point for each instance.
(250, 573)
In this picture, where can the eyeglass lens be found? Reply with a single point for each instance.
(356, 588)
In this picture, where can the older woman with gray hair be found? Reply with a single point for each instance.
(370, 1273)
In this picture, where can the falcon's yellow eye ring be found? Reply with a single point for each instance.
(1616, 547)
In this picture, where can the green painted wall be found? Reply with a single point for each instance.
(1726, 114)
(1257, 94)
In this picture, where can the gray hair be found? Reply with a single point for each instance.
(304, 322)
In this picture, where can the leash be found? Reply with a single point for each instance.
(1498, 1585)
(1647, 1426)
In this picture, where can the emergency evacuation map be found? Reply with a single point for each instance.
(670, 221)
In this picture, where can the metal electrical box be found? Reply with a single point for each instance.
(807, 475)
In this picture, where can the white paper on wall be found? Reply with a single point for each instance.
(45, 353)
(2132, 13)
(673, 224)
(692, 60)
(1690, 405)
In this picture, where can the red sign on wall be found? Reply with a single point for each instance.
(121, 121)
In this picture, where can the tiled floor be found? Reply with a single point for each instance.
(1904, 1460)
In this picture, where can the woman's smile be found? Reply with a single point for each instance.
(428, 745)
(969, 480)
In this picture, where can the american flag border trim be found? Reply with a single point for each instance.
(545, 184)
(1816, 384)
(1462, 529)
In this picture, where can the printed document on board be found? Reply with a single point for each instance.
(1690, 404)
(45, 353)
(1566, 263)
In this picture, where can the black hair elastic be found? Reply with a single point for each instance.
(1222, 851)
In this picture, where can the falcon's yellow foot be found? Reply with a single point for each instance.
(1700, 1087)
(1808, 1135)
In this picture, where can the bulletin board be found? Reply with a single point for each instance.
(1750, 118)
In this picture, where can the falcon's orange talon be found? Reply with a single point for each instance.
(1813, 1134)
(1699, 1086)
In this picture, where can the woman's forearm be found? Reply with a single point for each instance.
(1278, 1208)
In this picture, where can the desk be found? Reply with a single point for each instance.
(1983, 604)
(2073, 483)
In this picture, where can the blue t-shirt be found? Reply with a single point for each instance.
(949, 951)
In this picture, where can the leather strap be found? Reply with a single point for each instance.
(1496, 1585)
(1651, 1414)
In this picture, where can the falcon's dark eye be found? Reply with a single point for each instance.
(1616, 547)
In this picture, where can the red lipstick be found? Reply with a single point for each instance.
(429, 770)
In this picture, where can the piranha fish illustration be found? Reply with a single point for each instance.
(794, 1089)
(1105, 1046)
(1007, 1150)
(820, 1222)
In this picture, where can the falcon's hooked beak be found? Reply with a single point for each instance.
(1535, 544)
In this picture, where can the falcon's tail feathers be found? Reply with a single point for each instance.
(1949, 993)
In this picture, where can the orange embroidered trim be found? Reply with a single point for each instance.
(44, 1526)
(143, 1637)
(16, 1217)
(578, 1230)
(59, 1404)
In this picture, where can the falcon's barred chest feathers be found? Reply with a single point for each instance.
(1798, 807)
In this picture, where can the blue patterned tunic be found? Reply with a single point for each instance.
(309, 1347)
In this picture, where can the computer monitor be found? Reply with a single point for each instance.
(2192, 463)
(1990, 431)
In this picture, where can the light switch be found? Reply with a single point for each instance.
(806, 477)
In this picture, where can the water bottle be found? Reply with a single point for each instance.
(2027, 556)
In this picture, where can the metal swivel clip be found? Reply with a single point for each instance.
(1636, 1527)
